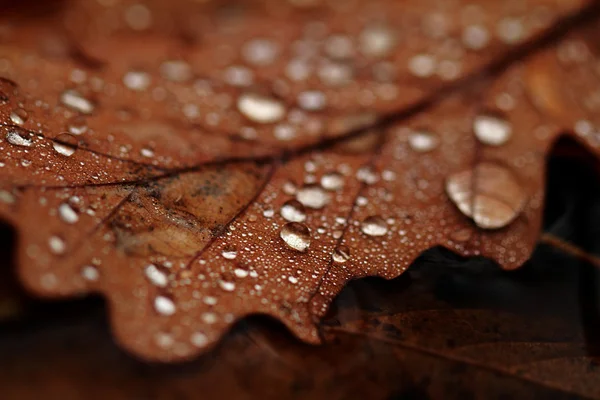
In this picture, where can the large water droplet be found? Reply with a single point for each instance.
(313, 196)
(67, 213)
(332, 181)
(296, 236)
(75, 101)
(164, 305)
(63, 149)
(293, 211)
(341, 254)
(261, 109)
(491, 129)
(488, 193)
(156, 276)
(374, 226)
(19, 137)
(19, 116)
(229, 254)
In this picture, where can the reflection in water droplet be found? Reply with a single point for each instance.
(229, 254)
(491, 129)
(341, 254)
(19, 137)
(76, 101)
(63, 149)
(422, 141)
(332, 181)
(156, 276)
(78, 126)
(498, 199)
(313, 196)
(293, 211)
(164, 305)
(261, 109)
(374, 226)
(296, 236)
(227, 286)
(67, 214)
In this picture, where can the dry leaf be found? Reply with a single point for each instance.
(199, 162)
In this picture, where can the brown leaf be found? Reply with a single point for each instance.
(149, 150)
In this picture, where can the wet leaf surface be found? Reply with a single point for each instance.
(149, 152)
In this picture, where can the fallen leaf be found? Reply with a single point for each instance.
(151, 152)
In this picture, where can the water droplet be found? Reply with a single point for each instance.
(57, 245)
(67, 213)
(423, 141)
(19, 116)
(176, 71)
(7, 197)
(138, 17)
(284, 132)
(198, 339)
(292, 279)
(335, 74)
(289, 188)
(422, 65)
(339, 47)
(367, 175)
(377, 41)
(227, 286)
(491, 129)
(209, 318)
(475, 37)
(146, 152)
(137, 80)
(498, 197)
(374, 226)
(237, 75)
(164, 305)
(229, 254)
(510, 30)
(75, 101)
(260, 52)
(312, 100)
(19, 137)
(313, 196)
(296, 236)
(240, 272)
(341, 254)
(268, 213)
(261, 109)
(90, 273)
(63, 149)
(156, 276)
(332, 181)
(293, 211)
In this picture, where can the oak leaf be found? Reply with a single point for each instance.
(199, 162)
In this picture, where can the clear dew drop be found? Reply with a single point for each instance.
(156, 276)
(293, 211)
(296, 236)
(374, 226)
(75, 101)
(240, 272)
(423, 141)
(18, 138)
(313, 196)
(229, 254)
(261, 109)
(78, 126)
(227, 286)
(137, 80)
(67, 214)
(63, 149)
(164, 306)
(367, 175)
(341, 254)
(491, 129)
(19, 116)
(499, 197)
(332, 181)
(90, 273)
